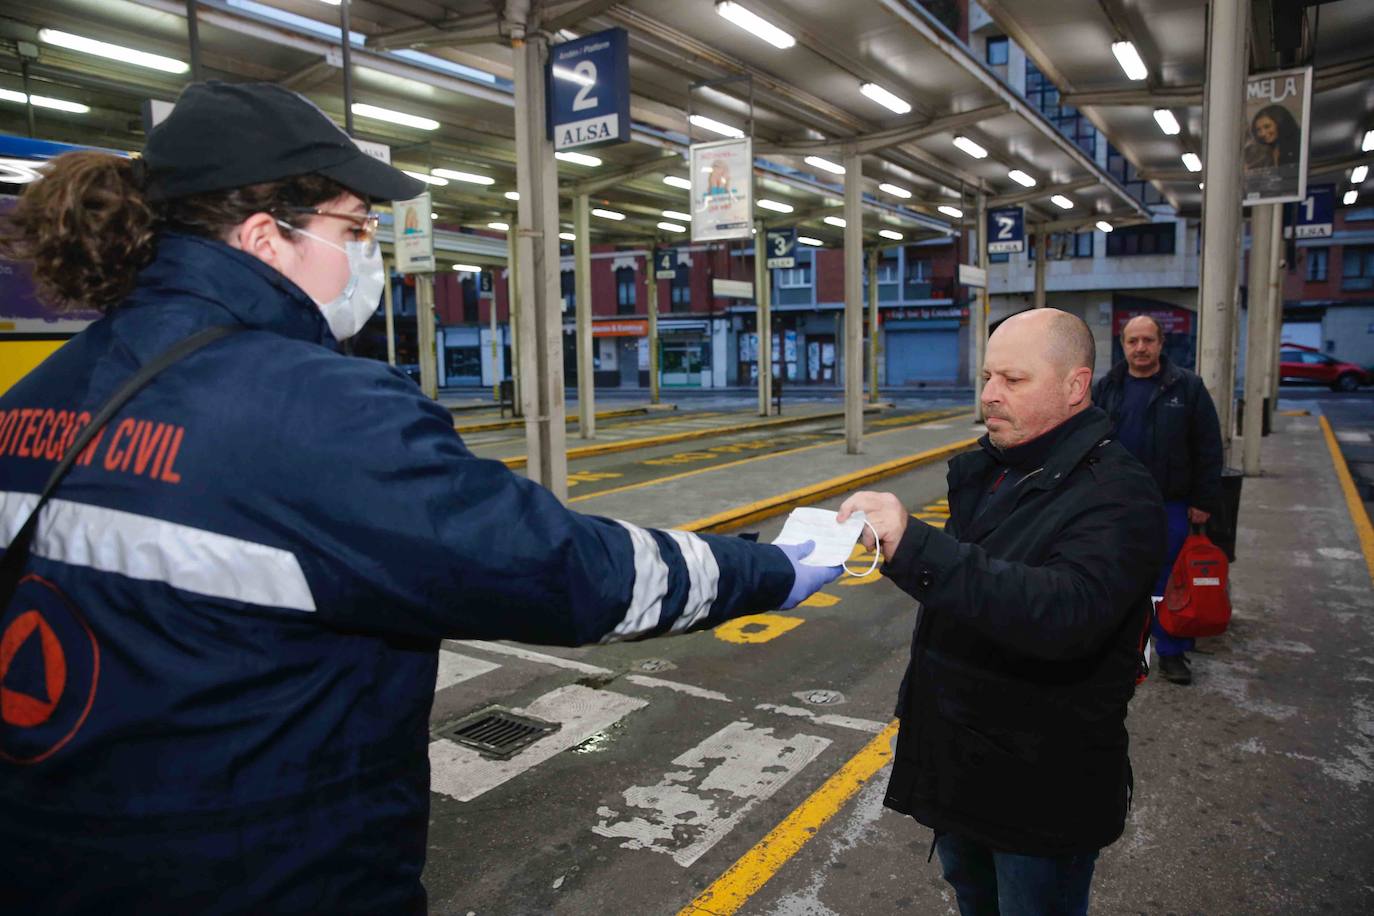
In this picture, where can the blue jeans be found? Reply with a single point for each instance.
(1165, 644)
(991, 883)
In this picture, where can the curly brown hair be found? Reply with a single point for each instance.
(88, 230)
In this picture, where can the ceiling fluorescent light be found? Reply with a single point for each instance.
(1104, 225)
(677, 182)
(1021, 178)
(427, 179)
(672, 227)
(467, 268)
(394, 117)
(469, 177)
(890, 234)
(716, 127)
(42, 101)
(499, 227)
(512, 195)
(824, 164)
(1166, 121)
(775, 206)
(113, 52)
(837, 221)
(884, 98)
(1062, 202)
(895, 191)
(1359, 174)
(1368, 144)
(755, 25)
(567, 236)
(577, 159)
(1129, 59)
(968, 146)
(954, 212)
(607, 214)
(678, 215)
(808, 240)
(1192, 162)
(1350, 197)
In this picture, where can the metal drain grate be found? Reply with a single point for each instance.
(497, 733)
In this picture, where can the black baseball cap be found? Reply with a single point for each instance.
(230, 135)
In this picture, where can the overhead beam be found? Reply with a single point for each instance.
(1022, 197)
(629, 173)
(579, 13)
(1190, 96)
(871, 143)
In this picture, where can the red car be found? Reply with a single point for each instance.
(1305, 364)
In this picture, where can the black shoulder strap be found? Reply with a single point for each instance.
(17, 554)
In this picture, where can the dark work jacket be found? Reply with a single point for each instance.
(1027, 648)
(1182, 433)
(226, 646)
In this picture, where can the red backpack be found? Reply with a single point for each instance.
(1197, 599)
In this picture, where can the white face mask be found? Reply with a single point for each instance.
(347, 312)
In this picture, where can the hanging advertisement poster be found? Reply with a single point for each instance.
(1274, 157)
(414, 235)
(722, 190)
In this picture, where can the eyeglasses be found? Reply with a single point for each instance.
(364, 226)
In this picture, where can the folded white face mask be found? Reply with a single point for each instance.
(347, 312)
(834, 540)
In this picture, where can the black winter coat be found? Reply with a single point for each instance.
(1027, 648)
(1183, 436)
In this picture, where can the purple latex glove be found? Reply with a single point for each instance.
(808, 579)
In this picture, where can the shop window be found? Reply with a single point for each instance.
(1131, 241)
(680, 292)
(1357, 271)
(798, 277)
(1316, 265)
(997, 51)
(625, 291)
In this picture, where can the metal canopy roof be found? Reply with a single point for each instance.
(1070, 41)
(448, 60)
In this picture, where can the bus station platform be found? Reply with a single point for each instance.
(742, 770)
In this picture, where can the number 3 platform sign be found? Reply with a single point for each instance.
(589, 91)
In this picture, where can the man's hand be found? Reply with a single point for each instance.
(885, 513)
(1197, 516)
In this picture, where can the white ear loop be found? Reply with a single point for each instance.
(877, 552)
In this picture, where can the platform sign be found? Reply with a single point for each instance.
(589, 91)
(1006, 230)
(722, 190)
(782, 248)
(414, 235)
(484, 285)
(970, 275)
(665, 264)
(1316, 214)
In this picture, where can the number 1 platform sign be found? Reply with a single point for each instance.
(589, 91)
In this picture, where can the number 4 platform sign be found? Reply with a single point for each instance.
(589, 91)
(1006, 231)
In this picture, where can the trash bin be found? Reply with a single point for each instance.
(1222, 526)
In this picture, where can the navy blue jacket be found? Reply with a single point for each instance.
(219, 669)
(1182, 434)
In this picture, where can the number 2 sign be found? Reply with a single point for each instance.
(588, 84)
(1006, 231)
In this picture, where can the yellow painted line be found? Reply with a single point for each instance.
(917, 420)
(482, 427)
(629, 445)
(1358, 513)
(835, 486)
(752, 871)
(1295, 413)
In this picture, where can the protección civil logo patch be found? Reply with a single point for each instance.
(49, 671)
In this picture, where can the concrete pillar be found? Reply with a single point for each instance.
(763, 308)
(978, 313)
(387, 294)
(1224, 96)
(1258, 336)
(1276, 278)
(853, 303)
(652, 265)
(424, 336)
(873, 325)
(513, 313)
(495, 338)
(586, 361)
(1042, 256)
(541, 314)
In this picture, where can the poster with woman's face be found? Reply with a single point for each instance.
(1274, 154)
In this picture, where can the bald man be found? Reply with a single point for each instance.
(1164, 416)
(1033, 602)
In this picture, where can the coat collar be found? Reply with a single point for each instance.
(1168, 373)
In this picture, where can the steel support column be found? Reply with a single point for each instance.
(853, 303)
(873, 325)
(347, 67)
(387, 294)
(192, 41)
(424, 335)
(537, 268)
(1257, 346)
(1224, 90)
(652, 289)
(582, 274)
(1042, 256)
(978, 311)
(763, 319)
(513, 313)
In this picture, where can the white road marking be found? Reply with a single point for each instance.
(530, 655)
(933, 426)
(861, 725)
(464, 774)
(455, 667)
(1349, 435)
(692, 808)
(702, 692)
